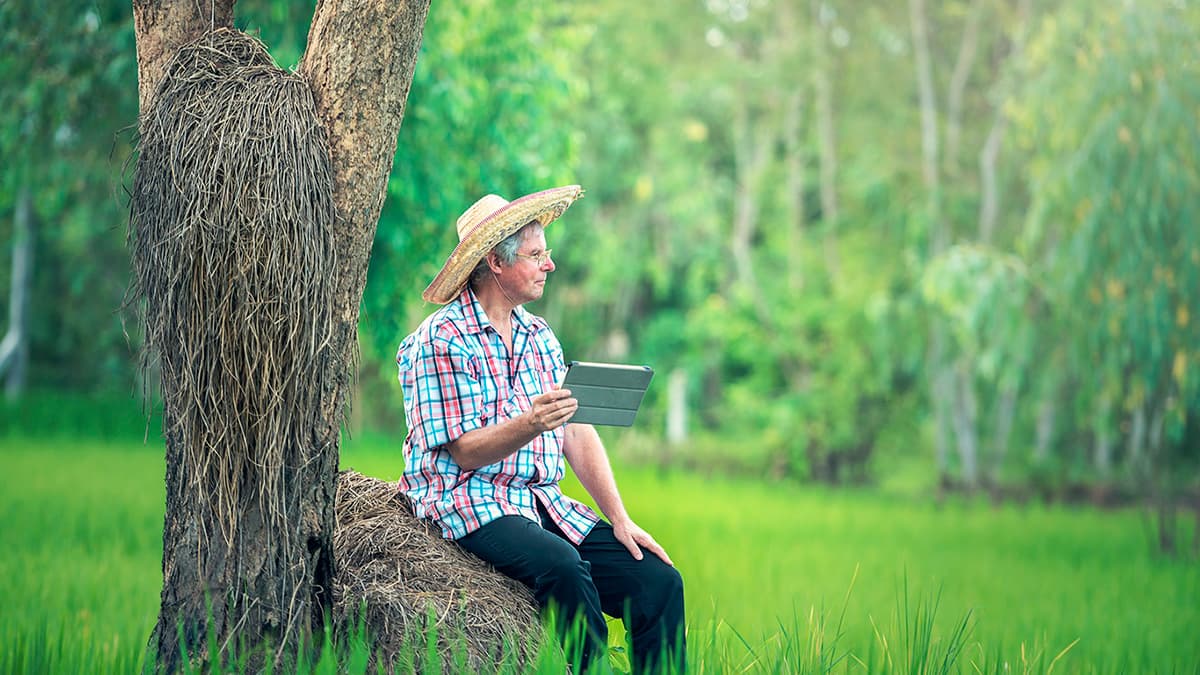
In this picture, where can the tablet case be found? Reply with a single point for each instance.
(608, 394)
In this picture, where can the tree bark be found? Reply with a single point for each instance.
(161, 27)
(359, 63)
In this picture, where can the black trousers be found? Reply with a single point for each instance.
(587, 581)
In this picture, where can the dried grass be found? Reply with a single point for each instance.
(399, 571)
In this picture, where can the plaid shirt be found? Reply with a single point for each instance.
(457, 376)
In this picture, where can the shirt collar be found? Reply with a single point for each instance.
(475, 320)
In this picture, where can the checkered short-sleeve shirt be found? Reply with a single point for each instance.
(457, 376)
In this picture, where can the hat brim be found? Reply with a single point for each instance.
(545, 207)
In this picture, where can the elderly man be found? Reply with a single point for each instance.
(488, 434)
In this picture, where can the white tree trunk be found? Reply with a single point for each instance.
(677, 424)
(14, 349)
(967, 49)
(966, 424)
(1046, 421)
(1006, 411)
(1102, 428)
(826, 142)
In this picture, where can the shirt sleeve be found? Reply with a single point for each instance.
(447, 393)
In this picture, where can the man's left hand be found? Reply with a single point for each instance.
(628, 533)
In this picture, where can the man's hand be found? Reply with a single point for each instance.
(552, 409)
(628, 533)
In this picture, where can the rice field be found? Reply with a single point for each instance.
(780, 577)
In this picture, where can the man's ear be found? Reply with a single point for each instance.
(493, 262)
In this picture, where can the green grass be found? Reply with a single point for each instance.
(779, 577)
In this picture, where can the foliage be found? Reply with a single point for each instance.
(488, 113)
(757, 218)
(1109, 118)
(70, 86)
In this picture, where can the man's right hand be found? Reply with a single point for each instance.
(552, 409)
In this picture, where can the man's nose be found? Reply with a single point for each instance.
(549, 266)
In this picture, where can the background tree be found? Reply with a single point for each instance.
(1112, 229)
(67, 71)
(248, 562)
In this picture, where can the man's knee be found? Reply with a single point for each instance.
(566, 572)
(661, 594)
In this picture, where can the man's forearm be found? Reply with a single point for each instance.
(490, 444)
(589, 461)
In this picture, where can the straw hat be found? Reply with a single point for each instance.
(488, 222)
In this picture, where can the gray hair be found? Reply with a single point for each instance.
(506, 251)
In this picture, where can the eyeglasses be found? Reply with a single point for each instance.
(539, 259)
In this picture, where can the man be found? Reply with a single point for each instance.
(488, 435)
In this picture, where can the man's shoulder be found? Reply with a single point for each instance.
(445, 326)
(535, 323)
(447, 320)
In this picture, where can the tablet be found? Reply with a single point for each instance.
(608, 393)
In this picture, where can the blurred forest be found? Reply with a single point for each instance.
(849, 237)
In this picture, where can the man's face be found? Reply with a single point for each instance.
(525, 279)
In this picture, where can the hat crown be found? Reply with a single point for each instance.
(486, 224)
(479, 211)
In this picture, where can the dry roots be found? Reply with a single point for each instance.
(404, 572)
(231, 235)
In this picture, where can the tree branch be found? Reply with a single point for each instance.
(360, 60)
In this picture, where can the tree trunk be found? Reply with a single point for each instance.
(14, 349)
(1046, 421)
(15, 346)
(751, 151)
(1137, 441)
(793, 139)
(1101, 425)
(941, 393)
(826, 143)
(989, 156)
(161, 27)
(1006, 412)
(958, 85)
(942, 389)
(1161, 485)
(677, 407)
(966, 424)
(359, 64)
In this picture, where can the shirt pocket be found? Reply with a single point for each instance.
(546, 371)
(518, 402)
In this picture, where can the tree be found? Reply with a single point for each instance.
(254, 586)
(1108, 114)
